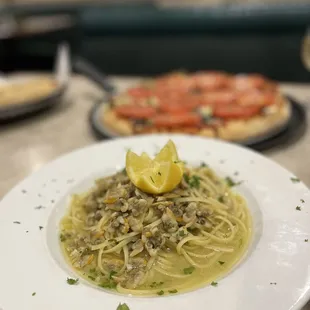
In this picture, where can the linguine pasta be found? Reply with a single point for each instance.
(121, 238)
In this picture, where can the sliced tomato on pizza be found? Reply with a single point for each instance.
(253, 97)
(174, 82)
(211, 80)
(181, 104)
(219, 98)
(236, 111)
(248, 82)
(135, 112)
(164, 95)
(177, 120)
(175, 108)
(139, 92)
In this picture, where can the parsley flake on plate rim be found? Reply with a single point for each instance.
(122, 307)
(72, 281)
(295, 180)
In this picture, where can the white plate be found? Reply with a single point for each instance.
(30, 258)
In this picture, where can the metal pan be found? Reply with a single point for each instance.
(289, 133)
(286, 134)
(85, 68)
(12, 112)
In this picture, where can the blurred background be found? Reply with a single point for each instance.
(72, 53)
(151, 37)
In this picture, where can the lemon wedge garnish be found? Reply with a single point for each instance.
(160, 175)
(168, 153)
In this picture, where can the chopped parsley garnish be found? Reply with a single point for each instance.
(93, 271)
(230, 182)
(302, 200)
(152, 179)
(295, 180)
(91, 277)
(182, 233)
(33, 294)
(110, 285)
(159, 173)
(186, 177)
(189, 270)
(214, 283)
(160, 293)
(306, 240)
(236, 173)
(298, 208)
(24, 191)
(112, 273)
(193, 181)
(221, 199)
(62, 238)
(39, 207)
(203, 165)
(273, 283)
(122, 307)
(72, 281)
(221, 262)
(16, 222)
(173, 291)
(41, 227)
(156, 284)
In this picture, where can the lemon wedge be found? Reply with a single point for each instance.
(167, 153)
(160, 175)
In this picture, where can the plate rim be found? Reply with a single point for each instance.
(302, 300)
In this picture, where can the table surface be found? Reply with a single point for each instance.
(29, 144)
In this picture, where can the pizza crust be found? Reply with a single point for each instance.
(232, 130)
(241, 130)
(115, 124)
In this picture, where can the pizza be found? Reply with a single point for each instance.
(23, 92)
(213, 104)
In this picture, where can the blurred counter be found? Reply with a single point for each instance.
(120, 38)
(29, 144)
